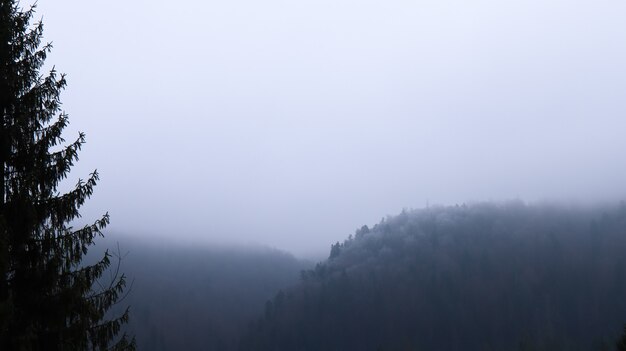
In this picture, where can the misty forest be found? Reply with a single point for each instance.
(252, 252)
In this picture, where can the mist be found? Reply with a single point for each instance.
(313, 175)
(290, 124)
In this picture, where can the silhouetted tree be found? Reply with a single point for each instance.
(48, 299)
(335, 250)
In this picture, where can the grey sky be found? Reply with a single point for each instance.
(291, 123)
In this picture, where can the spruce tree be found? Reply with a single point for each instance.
(49, 299)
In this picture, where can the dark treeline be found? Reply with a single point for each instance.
(199, 298)
(480, 277)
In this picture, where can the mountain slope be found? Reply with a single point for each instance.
(202, 297)
(480, 277)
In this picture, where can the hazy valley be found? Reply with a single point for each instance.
(487, 276)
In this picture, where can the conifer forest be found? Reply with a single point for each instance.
(314, 175)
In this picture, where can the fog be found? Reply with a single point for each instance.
(292, 123)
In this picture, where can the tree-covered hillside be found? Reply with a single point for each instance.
(202, 297)
(480, 277)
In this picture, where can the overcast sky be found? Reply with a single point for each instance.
(291, 123)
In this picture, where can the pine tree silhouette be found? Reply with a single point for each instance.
(49, 300)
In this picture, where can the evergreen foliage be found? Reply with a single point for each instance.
(480, 277)
(48, 299)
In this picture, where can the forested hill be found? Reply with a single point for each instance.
(480, 277)
(201, 297)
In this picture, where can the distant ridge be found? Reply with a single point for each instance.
(202, 297)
